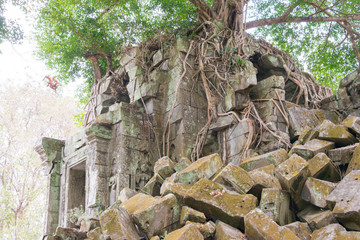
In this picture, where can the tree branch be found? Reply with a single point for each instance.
(204, 10)
(278, 20)
(108, 9)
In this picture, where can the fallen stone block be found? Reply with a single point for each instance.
(227, 232)
(313, 147)
(344, 100)
(207, 229)
(87, 224)
(330, 232)
(235, 177)
(343, 155)
(316, 218)
(322, 167)
(164, 167)
(178, 189)
(153, 186)
(168, 181)
(126, 193)
(263, 180)
(205, 167)
(299, 118)
(354, 163)
(274, 157)
(316, 191)
(269, 169)
(292, 173)
(300, 229)
(307, 134)
(344, 201)
(275, 203)
(335, 133)
(327, 115)
(153, 214)
(189, 214)
(353, 123)
(95, 234)
(188, 232)
(259, 226)
(69, 233)
(183, 163)
(216, 202)
(116, 224)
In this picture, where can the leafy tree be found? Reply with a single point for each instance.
(324, 33)
(26, 114)
(9, 29)
(70, 32)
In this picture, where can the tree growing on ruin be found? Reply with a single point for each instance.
(74, 36)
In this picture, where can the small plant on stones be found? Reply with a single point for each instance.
(162, 237)
(75, 214)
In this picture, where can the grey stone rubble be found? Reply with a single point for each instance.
(111, 180)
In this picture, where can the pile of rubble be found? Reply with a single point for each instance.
(311, 191)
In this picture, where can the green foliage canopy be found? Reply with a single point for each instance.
(69, 30)
(9, 29)
(320, 34)
(325, 48)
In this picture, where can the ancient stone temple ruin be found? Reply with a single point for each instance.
(263, 113)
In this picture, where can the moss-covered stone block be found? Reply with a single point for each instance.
(188, 232)
(307, 134)
(189, 214)
(227, 232)
(259, 226)
(153, 214)
(316, 218)
(344, 201)
(153, 186)
(316, 191)
(293, 173)
(335, 133)
(205, 167)
(116, 224)
(300, 229)
(313, 147)
(235, 177)
(216, 202)
(183, 163)
(164, 167)
(354, 163)
(274, 157)
(263, 179)
(322, 167)
(275, 203)
(207, 229)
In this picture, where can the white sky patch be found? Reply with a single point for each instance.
(18, 63)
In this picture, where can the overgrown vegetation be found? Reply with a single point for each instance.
(85, 38)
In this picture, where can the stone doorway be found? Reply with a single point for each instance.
(77, 186)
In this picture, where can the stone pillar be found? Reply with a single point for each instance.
(98, 168)
(50, 151)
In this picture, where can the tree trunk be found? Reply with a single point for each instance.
(231, 12)
(95, 63)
